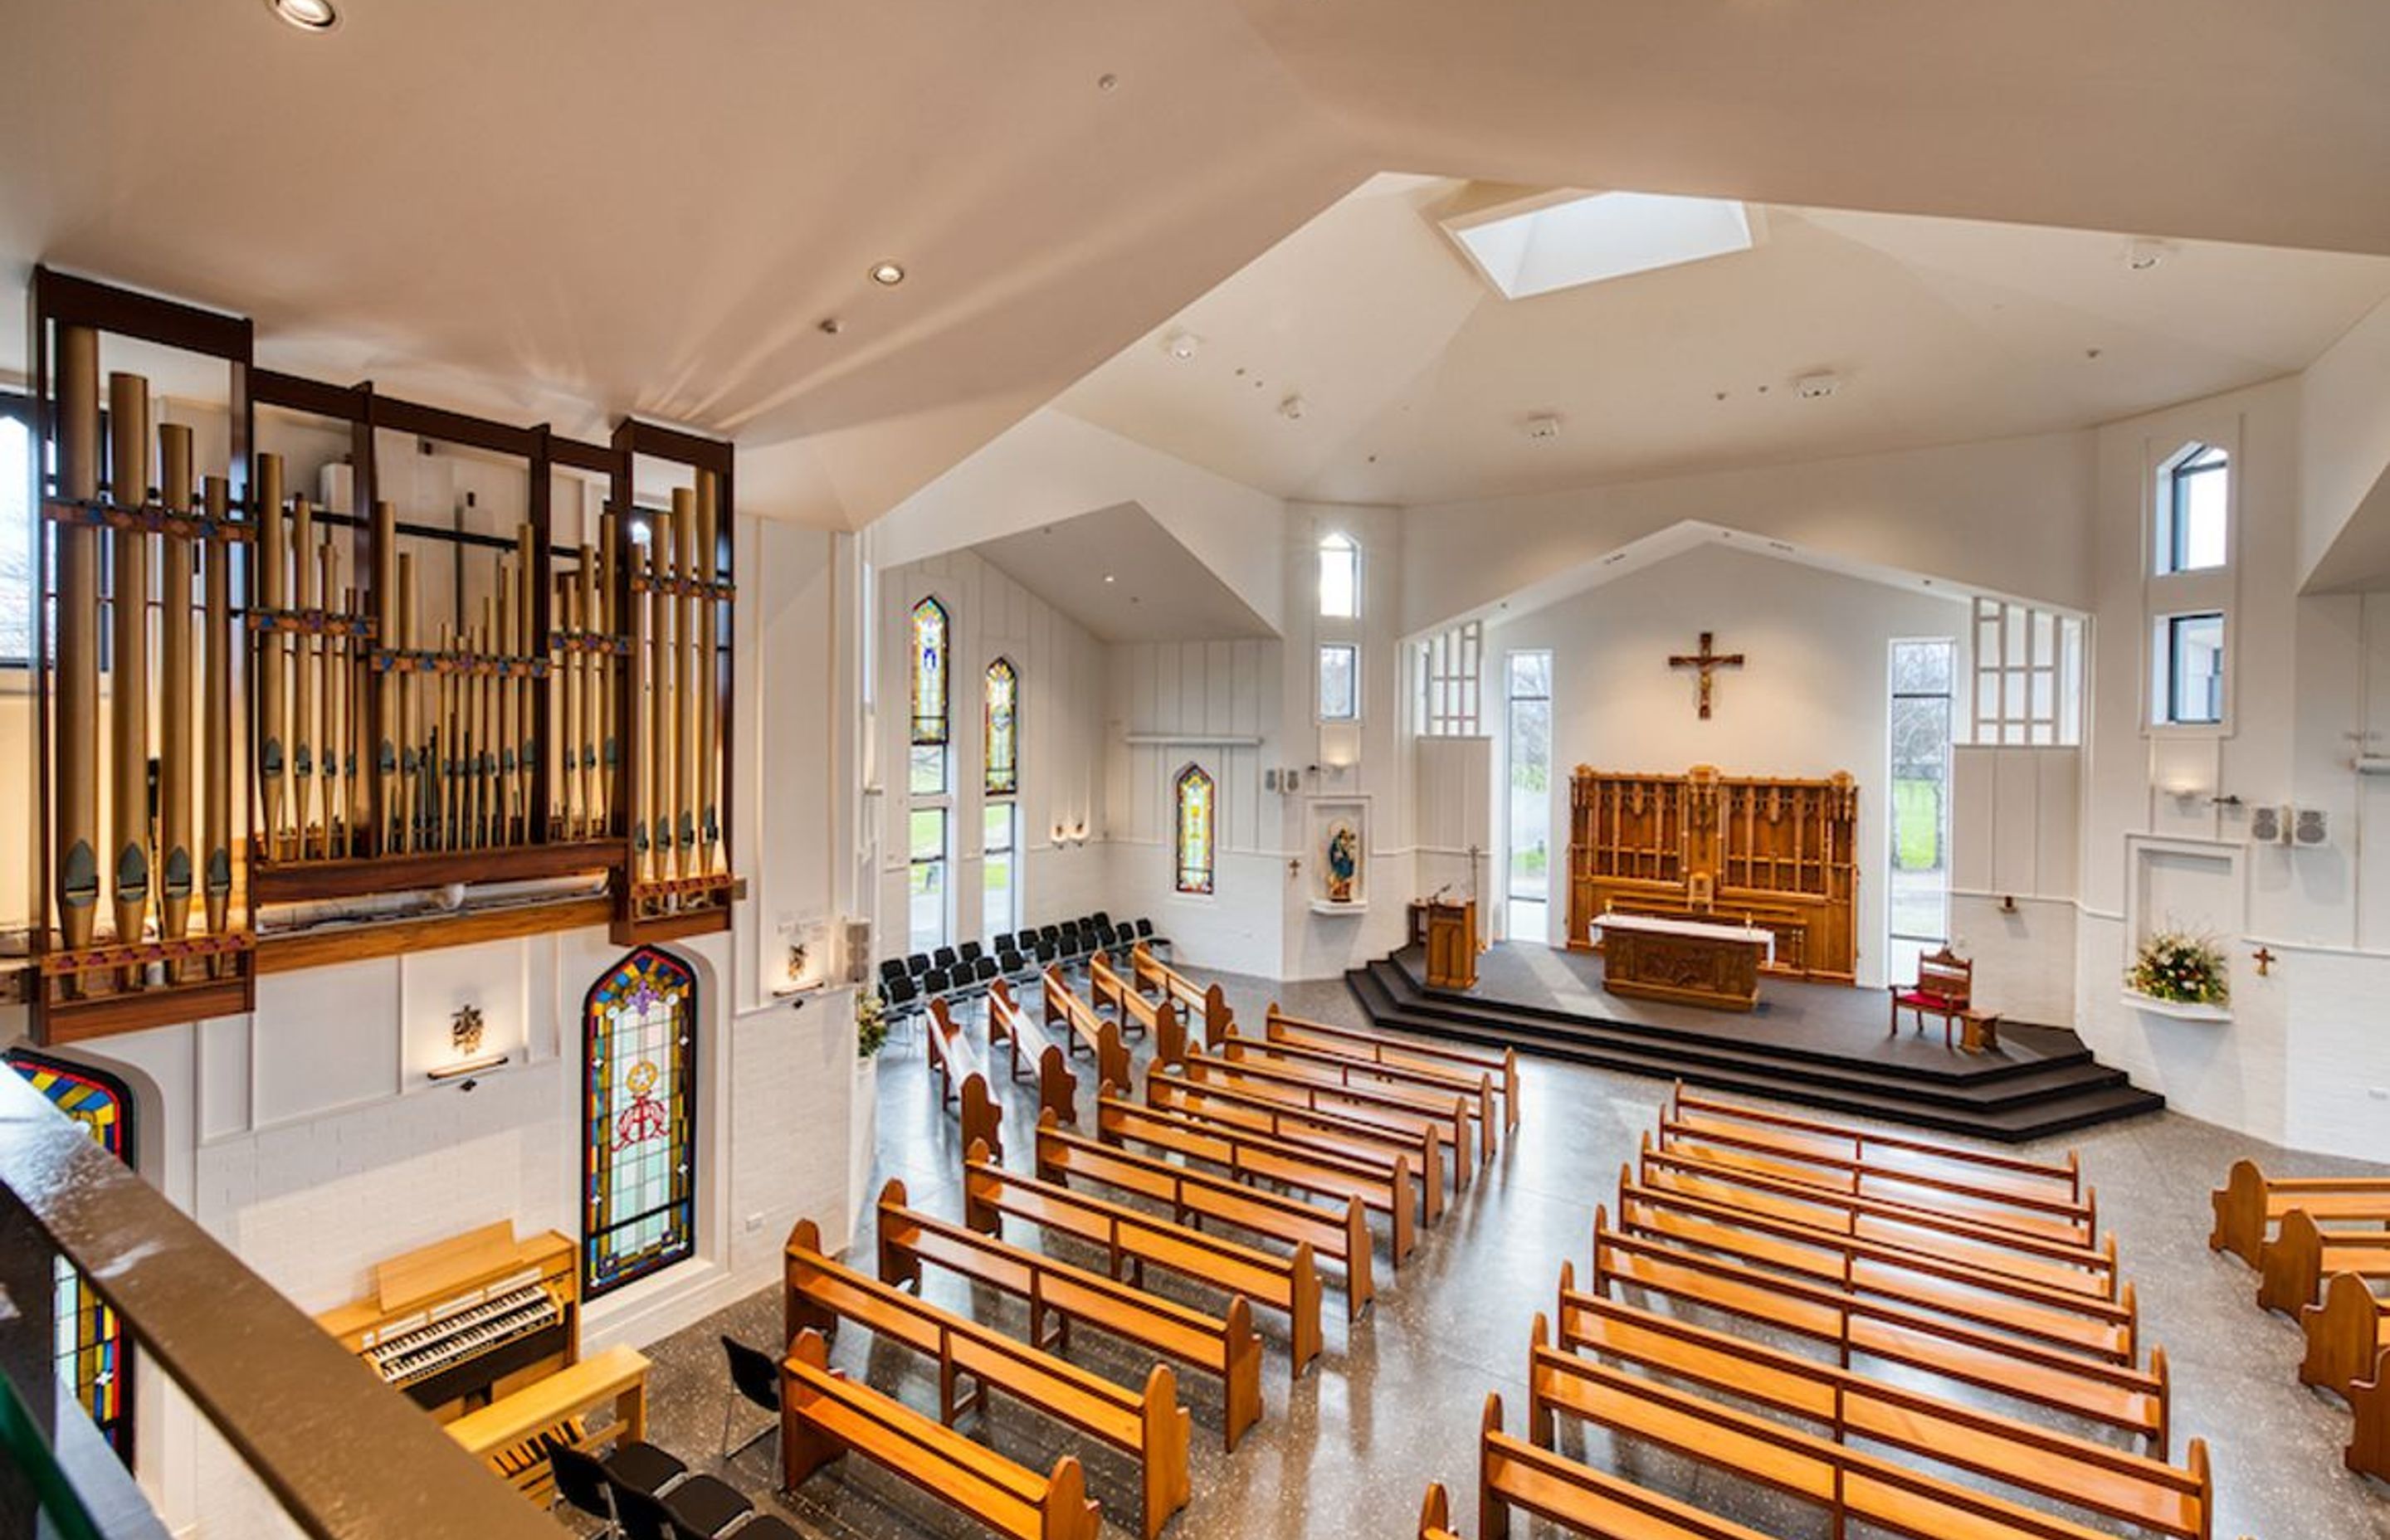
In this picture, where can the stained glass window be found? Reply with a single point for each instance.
(929, 671)
(91, 1349)
(1195, 815)
(1003, 729)
(638, 1158)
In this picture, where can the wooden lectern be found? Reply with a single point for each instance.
(1452, 945)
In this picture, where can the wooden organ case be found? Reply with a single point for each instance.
(1776, 853)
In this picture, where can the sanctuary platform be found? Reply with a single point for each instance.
(1822, 1046)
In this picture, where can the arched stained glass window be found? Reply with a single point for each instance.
(638, 1158)
(929, 632)
(1003, 729)
(92, 1351)
(1193, 794)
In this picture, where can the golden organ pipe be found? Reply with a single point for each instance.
(389, 808)
(174, 766)
(216, 822)
(128, 405)
(610, 567)
(271, 583)
(410, 716)
(642, 717)
(77, 879)
(302, 689)
(708, 760)
(525, 692)
(504, 742)
(661, 734)
(486, 729)
(567, 605)
(323, 667)
(692, 689)
(584, 664)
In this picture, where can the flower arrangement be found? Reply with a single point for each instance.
(870, 1024)
(2182, 968)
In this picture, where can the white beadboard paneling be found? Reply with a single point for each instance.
(1975, 775)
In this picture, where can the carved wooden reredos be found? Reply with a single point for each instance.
(1779, 854)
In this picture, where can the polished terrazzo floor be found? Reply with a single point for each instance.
(1396, 1399)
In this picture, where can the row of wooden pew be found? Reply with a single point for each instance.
(1977, 1282)
(2322, 1248)
(1285, 1143)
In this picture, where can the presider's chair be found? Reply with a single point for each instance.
(1945, 988)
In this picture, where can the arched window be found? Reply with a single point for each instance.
(1196, 812)
(929, 633)
(1340, 578)
(638, 1156)
(92, 1353)
(2195, 491)
(1003, 729)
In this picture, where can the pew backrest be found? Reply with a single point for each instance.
(1327, 1132)
(1428, 1084)
(2344, 1333)
(2250, 1204)
(1088, 1030)
(1384, 1048)
(1391, 1108)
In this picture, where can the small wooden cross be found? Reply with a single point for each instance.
(2265, 958)
(1707, 661)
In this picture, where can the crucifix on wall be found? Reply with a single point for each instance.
(1708, 663)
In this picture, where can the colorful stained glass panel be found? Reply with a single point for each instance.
(930, 671)
(1195, 820)
(1003, 729)
(638, 1157)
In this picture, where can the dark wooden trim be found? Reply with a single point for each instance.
(58, 1021)
(582, 457)
(294, 881)
(357, 942)
(70, 301)
(273, 388)
(673, 927)
(637, 437)
(438, 422)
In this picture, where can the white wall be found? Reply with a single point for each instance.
(2014, 851)
(1811, 699)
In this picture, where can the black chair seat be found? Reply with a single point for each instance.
(706, 1504)
(642, 1467)
(765, 1526)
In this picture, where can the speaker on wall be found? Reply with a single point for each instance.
(2269, 824)
(2312, 828)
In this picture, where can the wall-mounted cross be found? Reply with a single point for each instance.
(1707, 661)
(2265, 959)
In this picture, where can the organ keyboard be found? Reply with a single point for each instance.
(468, 1319)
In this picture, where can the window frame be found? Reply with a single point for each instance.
(924, 730)
(1010, 850)
(1319, 681)
(2166, 680)
(1347, 550)
(16, 406)
(1958, 677)
(1451, 682)
(1001, 668)
(1189, 775)
(944, 862)
(594, 1108)
(1511, 700)
(2178, 473)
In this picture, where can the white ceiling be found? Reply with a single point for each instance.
(1125, 578)
(1418, 380)
(569, 209)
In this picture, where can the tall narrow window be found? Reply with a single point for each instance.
(1448, 665)
(926, 873)
(2189, 686)
(930, 673)
(1194, 796)
(2195, 493)
(1924, 677)
(2028, 676)
(1340, 578)
(17, 546)
(90, 1353)
(1527, 793)
(639, 1159)
(1340, 682)
(1003, 729)
(999, 876)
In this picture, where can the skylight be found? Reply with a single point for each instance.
(1535, 247)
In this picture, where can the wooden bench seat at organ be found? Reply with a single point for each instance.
(1025, 1040)
(1408, 1114)
(514, 1433)
(1133, 1240)
(2346, 1333)
(1088, 1028)
(1852, 1486)
(1330, 1132)
(1339, 1232)
(1378, 1047)
(2293, 1263)
(1428, 1087)
(964, 1079)
(2134, 1401)
(1514, 1473)
(2250, 1205)
(1224, 1346)
(2369, 1444)
(2054, 1264)
(825, 1415)
(2078, 1322)
(2116, 1483)
(1256, 1157)
(1158, 1019)
(1148, 1425)
(1203, 1003)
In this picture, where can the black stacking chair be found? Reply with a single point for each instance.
(917, 965)
(1045, 952)
(969, 952)
(891, 968)
(755, 1379)
(942, 957)
(1124, 940)
(901, 998)
(701, 1505)
(985, 971)
(1050, 933)
(1101, 920)
(589, 1483)
(763, 1526)
(1075, 945)
(1152, 942)
(1009, 963)
(935, 985)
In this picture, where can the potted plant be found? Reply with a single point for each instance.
(2182, 975)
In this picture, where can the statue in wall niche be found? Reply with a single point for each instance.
(1343, 862)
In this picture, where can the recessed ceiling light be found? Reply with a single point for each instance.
(1183, 344)
(1543, 425)
(2141, 253)
(1290, 408)
(1108, 577)
(309, 15)
(888, 274)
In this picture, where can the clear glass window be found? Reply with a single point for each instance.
(2194, 499)
(1340, 682)
(1340, 578)
(1527, 741)
(926, 877)
(1000, 873)
(2191, 649)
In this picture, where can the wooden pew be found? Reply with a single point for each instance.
(2368, 1447)
(1378, 1047)
(825, 1415)
(2054, 1264)
(1133, 1240)
(2293, 1265)
(2028, 1182)
(2250, 1204)
(1158, 1019)
(1254, 1156)
(1205, 1004)
(1344, 1069)
(513, 1433)
(1339, 1232)
(1148, 1425)
(1325, 1132)
(1057, 1088)
(1512, 1472)
(2344, 1334)
(2117, 1395)
(1058, 1294)
(2077, 1322)
(1088, 1030)
(1435, 1515)
(963, 1079)
(1409, 1113)
(2113, 1483)
(1852, 1486)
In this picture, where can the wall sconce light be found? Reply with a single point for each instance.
(1061, 835)
(2008, 903)
(465, 1036)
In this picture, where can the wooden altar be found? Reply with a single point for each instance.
(1687, 962)
(1773, 853)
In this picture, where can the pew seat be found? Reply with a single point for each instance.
(1378, 1048)
(1429, 1087)
(2344, 1333)
(1025, 1040)
(1409, 1113)
(2251, 1204)
(2369, 1444)
(1088, 1030)
(963, 1079)
(2293, 1262)
(1420, 1152)
(1514, 1473)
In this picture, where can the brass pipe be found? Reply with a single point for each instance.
(325, 665)
(389, 808)
(410, 716)
(504, 743)
(607, 623)
(216, 822)
(269, 584)
(303, 687)
(662, 661)
(175, 764)
(642, 722)
(584, 668)
(567, 604)
(708, 751)
(523, 743)
(485, 727)
(692, 690)
(76, 784)
(128, 749)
